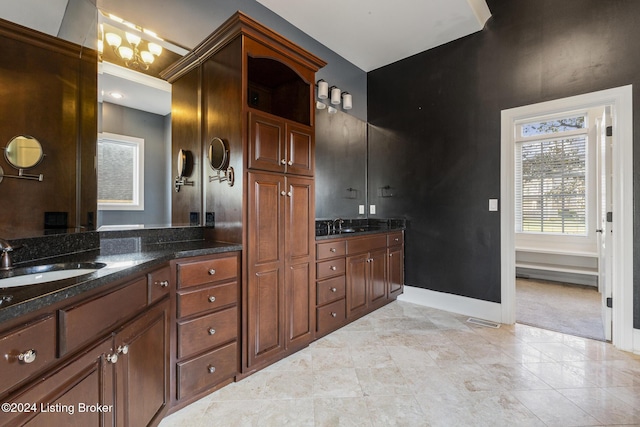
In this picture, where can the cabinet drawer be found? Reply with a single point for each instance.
(207, 331)
(366, 244)
(35, 341)
(203, 372)
(394, 239)
(206, 271)
(330, 268)
(207, 299)
(331, 316)
(330, 290)
(84, 322)
(331, 249)
(159, 282)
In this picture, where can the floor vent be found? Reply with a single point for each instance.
(485, 323)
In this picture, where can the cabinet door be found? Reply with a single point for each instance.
(65, 397)
(265, 294)
(377, 277)
(266, 151)
(299, 150)
(299, 261)
(357, 292)
(142, 369)
(396, 271)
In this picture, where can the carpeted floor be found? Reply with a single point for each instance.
(570, 309)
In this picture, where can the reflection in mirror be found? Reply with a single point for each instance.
(23, 152)
(184, 167)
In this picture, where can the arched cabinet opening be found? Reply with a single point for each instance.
(275, 88)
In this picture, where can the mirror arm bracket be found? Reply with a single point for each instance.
(21, 175)
(179, 182)
(227, 176)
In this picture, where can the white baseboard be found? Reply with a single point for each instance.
(453, 303)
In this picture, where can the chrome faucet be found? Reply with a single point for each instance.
(340, 222)
(5, 258)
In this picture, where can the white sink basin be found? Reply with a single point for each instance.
(47, 273)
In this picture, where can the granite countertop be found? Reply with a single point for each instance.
(121, 261)
(357, 227)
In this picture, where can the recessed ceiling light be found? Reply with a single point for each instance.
(116, 95)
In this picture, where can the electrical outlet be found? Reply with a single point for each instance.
(372, 209)
(493, 205)
(360, 209)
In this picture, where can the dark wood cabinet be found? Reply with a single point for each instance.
(142, 380)
(103, 363)
(280, 258)
(205, 353)
(256, 92)
(356, 275)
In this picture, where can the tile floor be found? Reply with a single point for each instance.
(408, 365)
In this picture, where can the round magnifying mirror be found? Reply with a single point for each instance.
(218, 154)
(182, 163)
(23, 152)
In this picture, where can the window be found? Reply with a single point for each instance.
(120, 172)
(551, 176)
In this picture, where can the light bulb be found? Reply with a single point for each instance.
(147, 57)
(133, 39)
(126, 53)
(154, 48)
(113, 40)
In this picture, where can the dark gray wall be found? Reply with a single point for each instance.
(341, 164)
(435, 127)
(157, 148)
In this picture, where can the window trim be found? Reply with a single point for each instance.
(138, 173)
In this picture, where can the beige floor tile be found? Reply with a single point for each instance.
(603, 406)
(554, 409)
(343, 412)
(391, 411)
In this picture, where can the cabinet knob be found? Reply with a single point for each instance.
(28, 356)
(211, 331)
(211, 369)
(289, 194)
(212, 299)
(390, 255)
(397, 239)
(290, 162)
(163, 283)
(332, 250)
(212, 272)
(124, 349)
(283, 162)
(112, 358)
(334, 314)
(333, 289)
(283, 193)
(333, 268)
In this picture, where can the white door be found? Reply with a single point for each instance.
(605, 206)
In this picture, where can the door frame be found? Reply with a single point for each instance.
(620, 100)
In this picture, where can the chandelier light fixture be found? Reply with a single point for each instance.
(133, 54)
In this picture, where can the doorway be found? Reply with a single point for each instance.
(621, 279)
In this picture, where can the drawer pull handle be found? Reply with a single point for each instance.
(334, 290)
(334, 314)
(112, 358)
(333, 268)
(212, 272)
(28, 356)
(212, 299)
(211, 369)
(211, 331)
(163, 283)
(332, 250)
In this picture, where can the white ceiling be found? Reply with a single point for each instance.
(368, 34)
(376, 33)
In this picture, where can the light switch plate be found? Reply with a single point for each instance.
(493, 205)
(360, 209)
(372, 209)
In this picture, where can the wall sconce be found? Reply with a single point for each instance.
(335, 97)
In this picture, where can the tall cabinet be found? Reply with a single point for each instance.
(254, 89)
